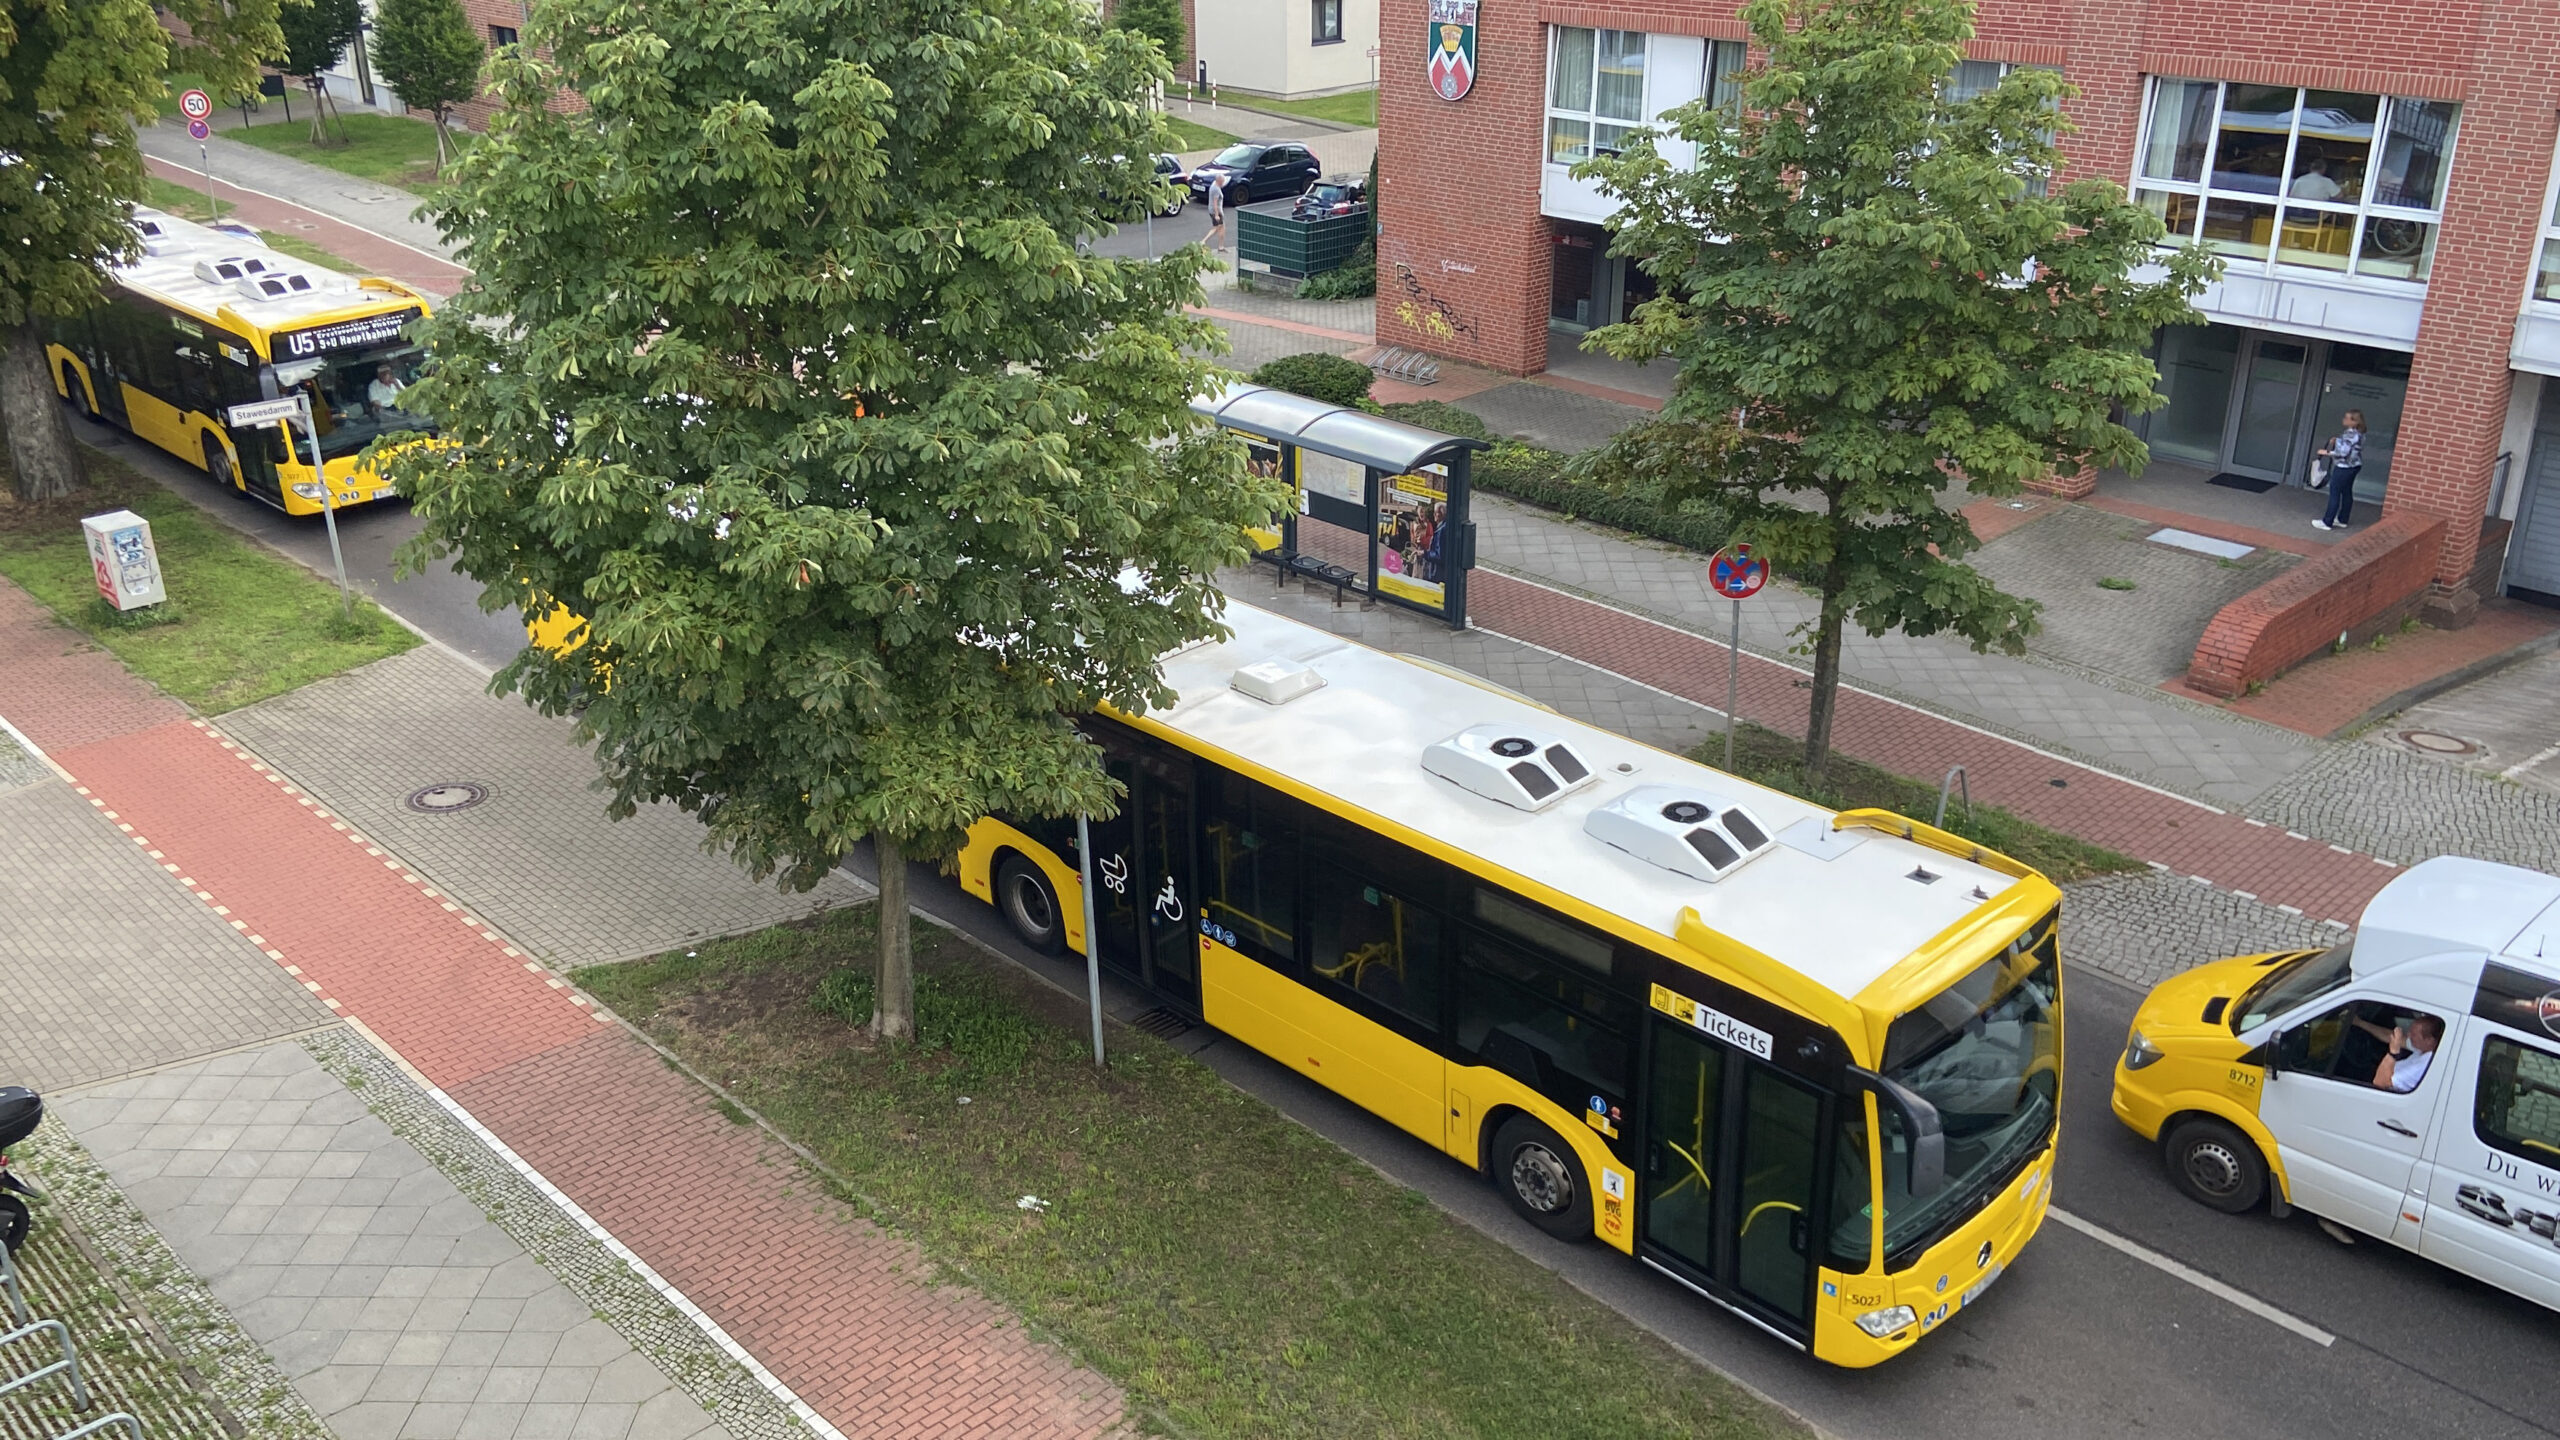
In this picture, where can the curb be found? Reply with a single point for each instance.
(2453, 679)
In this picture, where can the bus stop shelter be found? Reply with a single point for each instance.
(1378, 506)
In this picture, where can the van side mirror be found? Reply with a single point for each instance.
(2270, 1055)
(1920, 1124)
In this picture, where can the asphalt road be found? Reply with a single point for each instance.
(2079, 1338)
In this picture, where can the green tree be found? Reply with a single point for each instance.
(427, 52)
(75, 77)
(316, 34)
(781, 368)
(1872, 309)
(1158, 20)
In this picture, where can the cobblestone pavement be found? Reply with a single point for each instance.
(397, 1308)
(832, 1308)
(2142, 929)
(2406, 807)
(108, 967)
(2146, 634)
(2511, 718)
(537, 855)
(2126, 727)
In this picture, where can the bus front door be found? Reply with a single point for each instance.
(1145, 897)
(1730, 1147)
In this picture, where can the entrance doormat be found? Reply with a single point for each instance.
(2229, 481)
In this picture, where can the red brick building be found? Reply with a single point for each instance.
(2378, 177)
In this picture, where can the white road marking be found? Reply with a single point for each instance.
(2513, 771)
(2195, 1277)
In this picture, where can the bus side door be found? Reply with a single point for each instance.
(1731, 1151)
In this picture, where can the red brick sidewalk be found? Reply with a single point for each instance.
(821, 1297)
(2186, 836)
(375, 254)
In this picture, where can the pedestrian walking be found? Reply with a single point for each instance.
(2345, 455)
(1217, 212)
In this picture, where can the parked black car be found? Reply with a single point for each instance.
(1333, 195)
(1258, 170)
(1169, 169)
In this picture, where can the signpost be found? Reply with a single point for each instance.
(1092, 936)
(1737, 575)
(297, 407)
(197, 106)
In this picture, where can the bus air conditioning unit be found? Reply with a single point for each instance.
(1523, 768)
(232, 269)
(1689, 832)
(275, 284)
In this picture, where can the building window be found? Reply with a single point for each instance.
(2318, 179)
(501, 36)
(1595, 88)
(2546, 276)
(1328, 22)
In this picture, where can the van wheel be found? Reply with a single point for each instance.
(1030, 905)
(1542, 1178)
(217, 465)
(76, 395)
(2216, 1165)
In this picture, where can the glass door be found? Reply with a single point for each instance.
(2264, 442)
(2360, 377)
(1170, 897)
(1116, 873)
(1731, 1150)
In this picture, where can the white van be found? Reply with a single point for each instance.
(2404, 1083)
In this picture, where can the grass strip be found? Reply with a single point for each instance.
(386, 149)
(1231, 1269)
(241, 622)
(1353, 107)
(1768, 758)
(1190, 135)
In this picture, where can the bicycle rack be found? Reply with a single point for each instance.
(1955, 777)
(70, 1360)
(1411, 366)
(132, 1427)
(18, 1313)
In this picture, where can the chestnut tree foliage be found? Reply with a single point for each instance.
(782, 372)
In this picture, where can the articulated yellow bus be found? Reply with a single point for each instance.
(1806, 1064)
(210, 318)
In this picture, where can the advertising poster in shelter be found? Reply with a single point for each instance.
(1412, 511)
(1264, 458)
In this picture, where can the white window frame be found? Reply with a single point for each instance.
(2364, 212)
(2543, 289)
(1725, 60)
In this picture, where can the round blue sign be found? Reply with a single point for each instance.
(1736, 573)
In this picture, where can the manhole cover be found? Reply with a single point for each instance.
(2435, 743)
(449, 796)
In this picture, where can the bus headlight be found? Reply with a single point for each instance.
(2139, 1051)
(307, 492)
(1881, 1323)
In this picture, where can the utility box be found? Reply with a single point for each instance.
(127, 565)
(1270, 238)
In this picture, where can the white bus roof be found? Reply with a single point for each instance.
(1841, 921)
(2453, 903)
(168, 271)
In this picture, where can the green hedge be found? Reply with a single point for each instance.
(1525, 472)
(1318, 376)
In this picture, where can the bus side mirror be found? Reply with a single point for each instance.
(1919, 1123)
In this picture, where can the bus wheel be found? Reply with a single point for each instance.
(76, 395)
(2216, 1165)
(1030, 905)
(1542, 1178)
(217, 465)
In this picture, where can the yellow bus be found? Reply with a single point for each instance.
(1805, 1063)
(209, 318)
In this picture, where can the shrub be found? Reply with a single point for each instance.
(1543, 477)
(1442, 416)
(1318, 376)
(1350, 280)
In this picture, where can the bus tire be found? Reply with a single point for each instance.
(75, 394)
(2215, 1165)
(1030, 905)
(1542, 1178)
(217, 465)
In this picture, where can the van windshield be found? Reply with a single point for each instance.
(2304, 978)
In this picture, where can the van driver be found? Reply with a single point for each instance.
(2413, 1049)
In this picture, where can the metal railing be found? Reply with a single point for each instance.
(18, 1312)
(132, 1427)
(1955, 777)
(70, 1361)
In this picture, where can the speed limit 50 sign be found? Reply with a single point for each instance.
(195, 105)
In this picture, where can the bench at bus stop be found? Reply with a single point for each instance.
(1310, 568)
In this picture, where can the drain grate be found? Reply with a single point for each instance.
(447, 796)
(1163, 1024)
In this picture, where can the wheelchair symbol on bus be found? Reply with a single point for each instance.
(1168, 904)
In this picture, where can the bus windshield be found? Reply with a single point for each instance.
(357, 397)
(1987, 1052)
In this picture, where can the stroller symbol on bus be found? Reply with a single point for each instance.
(1115, 874)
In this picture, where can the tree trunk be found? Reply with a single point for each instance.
(40, 444)
(1826, 670)
(319, 114)
(893, 1015)
(439, 144)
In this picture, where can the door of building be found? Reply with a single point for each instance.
(2533, 556)
(2264, 441)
